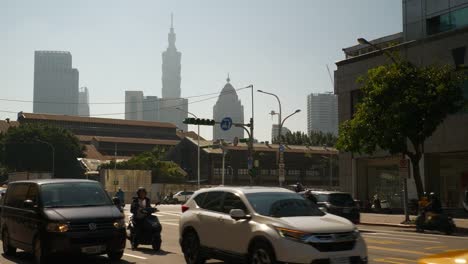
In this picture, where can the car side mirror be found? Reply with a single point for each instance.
(238, 214)
(29, 204)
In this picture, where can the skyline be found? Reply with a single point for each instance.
(123, 50)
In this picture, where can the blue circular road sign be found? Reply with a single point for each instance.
(226, 123)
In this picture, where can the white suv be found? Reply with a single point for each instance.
(265, 225)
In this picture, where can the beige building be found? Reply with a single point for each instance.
(444, 166)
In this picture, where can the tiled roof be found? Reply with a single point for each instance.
(269, 147)
(92, 153)
(4, 125)
(95, 120)
(148, 141)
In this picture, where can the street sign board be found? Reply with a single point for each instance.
(404, 168)
(281, 148)
(281, 175)
(226, 123)
(249, 163)
(281, 166)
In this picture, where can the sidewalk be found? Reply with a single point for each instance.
(395, 220)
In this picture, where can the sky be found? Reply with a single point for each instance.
(282, 47)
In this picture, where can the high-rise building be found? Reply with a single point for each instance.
(171, 91)
(151, 108)
(133, 105)
(422, 18)
(322, 113)
(228, 105)
(55, 83)
(83, 102)
(274, 131)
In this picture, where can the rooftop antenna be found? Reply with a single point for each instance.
(331, 78)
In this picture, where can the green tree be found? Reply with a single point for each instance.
(313, 139)
(22, 148)
(151, 160)
(402, 103)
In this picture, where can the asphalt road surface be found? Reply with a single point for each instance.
(385, 245)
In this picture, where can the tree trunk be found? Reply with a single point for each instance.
(416, 174)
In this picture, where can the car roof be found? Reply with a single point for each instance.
(329, 192)
(247, 189)
(48, 181)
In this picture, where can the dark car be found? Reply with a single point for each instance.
(61, 217)
(338, 203)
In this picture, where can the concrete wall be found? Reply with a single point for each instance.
(127, 180)
(19, 176)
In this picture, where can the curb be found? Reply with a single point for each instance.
(387, 224)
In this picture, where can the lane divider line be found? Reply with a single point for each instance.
(399, 250)
(134, 256)
(414, 240)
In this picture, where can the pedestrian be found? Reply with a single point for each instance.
(121, 195)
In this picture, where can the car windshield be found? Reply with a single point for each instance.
(76, 194)
(336, 199)
(278, 204)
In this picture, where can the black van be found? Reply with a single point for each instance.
(61, 216)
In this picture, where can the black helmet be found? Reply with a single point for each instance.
(432, 195)
(141, 189)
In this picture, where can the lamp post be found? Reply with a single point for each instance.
(198, 143)
(363, 41)
(53, 154)
(280, 126)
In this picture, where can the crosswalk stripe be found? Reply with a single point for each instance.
(134, 256)
(169, 223)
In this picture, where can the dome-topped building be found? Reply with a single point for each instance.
(228, 105)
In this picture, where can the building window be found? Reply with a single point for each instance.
(273, 172)
(294, 172)
(264, 172)
(242, 172)
(446, 22)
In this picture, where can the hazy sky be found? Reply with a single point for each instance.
(278, 46)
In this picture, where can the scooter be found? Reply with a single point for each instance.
(150, 233)
(436, 222)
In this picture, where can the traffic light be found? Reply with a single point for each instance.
(199, 121)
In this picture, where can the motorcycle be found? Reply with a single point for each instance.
(150, 232)
(436, 222)
(169, 200)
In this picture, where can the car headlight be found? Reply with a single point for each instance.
(119, 223)
(291, 234)
(57, 227)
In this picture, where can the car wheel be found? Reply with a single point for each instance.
(115, 256)
(262, 253)
(38, 252)
(191, 248)
(7, 249)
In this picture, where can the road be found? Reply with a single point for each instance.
(385, 245)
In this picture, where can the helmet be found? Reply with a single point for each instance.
(141, 189)
(432, 195)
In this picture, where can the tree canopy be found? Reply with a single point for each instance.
(313, 139)
(30, 148)
(150, 160)
(402, 103)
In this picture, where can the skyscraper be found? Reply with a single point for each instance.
(83, 102)
(322, 113)
(55, 83)
(171, 85)
(150, 108)
(134, 105)
(228, 105)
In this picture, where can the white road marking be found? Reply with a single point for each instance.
(399, 235)
(419, 235)
(169, 213)
(134, 256)
(169, 223)
(402, 239)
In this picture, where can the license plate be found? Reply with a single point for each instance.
(347, 210)
(339, 260)
(93, 249)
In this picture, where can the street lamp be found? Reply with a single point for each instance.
(53, 154)
(280, 126)
(364, 41)
(198, 143)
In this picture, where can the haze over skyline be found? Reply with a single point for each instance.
(281, 47)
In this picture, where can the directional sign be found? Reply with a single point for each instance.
(226, 123)
(404, 168)
(281, 148)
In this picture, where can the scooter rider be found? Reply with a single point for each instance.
(434, 204)
(140, 202)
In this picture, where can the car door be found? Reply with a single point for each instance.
(209, 219)
(31, 216)
(14, 215)
(236, 233)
